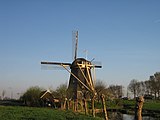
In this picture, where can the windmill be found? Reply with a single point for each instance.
(81, 79)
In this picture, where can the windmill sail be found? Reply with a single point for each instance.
(75, 44)
(54, 65)
(96, 64)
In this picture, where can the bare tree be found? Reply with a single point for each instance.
(153, 84)
(100, 88)
(3, 94)
(140, 88)
(133, 87)
(61, 94)
(116, 90)
(147, 87)
(61, 91)
(142, 84)
(157, 79)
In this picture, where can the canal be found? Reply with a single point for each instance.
(120, 116)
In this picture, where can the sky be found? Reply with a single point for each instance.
(124, 35)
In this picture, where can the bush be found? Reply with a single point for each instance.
(32, 96)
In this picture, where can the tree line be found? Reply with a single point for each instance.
(32, 95)
(149, 88)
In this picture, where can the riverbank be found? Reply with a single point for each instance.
(150, 108)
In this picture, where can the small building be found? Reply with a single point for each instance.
(48, 100)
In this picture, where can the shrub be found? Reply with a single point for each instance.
(31, 96)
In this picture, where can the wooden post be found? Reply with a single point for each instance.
(85, 107)
(65, 102)
(75, 105)
(93, 110)
(138, 108)
(72, 105)
(104, 107)
(68, 104)
(81, 103)
(62, 106)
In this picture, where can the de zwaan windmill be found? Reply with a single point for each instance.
(81, 79)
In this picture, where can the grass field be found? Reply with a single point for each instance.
(29, 113)
(148, 104)
(33, 113)
(152, 105)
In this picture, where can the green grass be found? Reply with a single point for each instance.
(110, 104)
(152, 105)
(148, 104)
(28, 113)
(130, 104)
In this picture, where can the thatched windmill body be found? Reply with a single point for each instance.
(81, 80)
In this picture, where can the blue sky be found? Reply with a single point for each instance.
(124, 35)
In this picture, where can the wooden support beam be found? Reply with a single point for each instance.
(77, 78)
(93, 110)
(104, 107)
(85, 106)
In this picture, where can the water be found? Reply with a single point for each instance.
(120, 116)
(131, 117)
